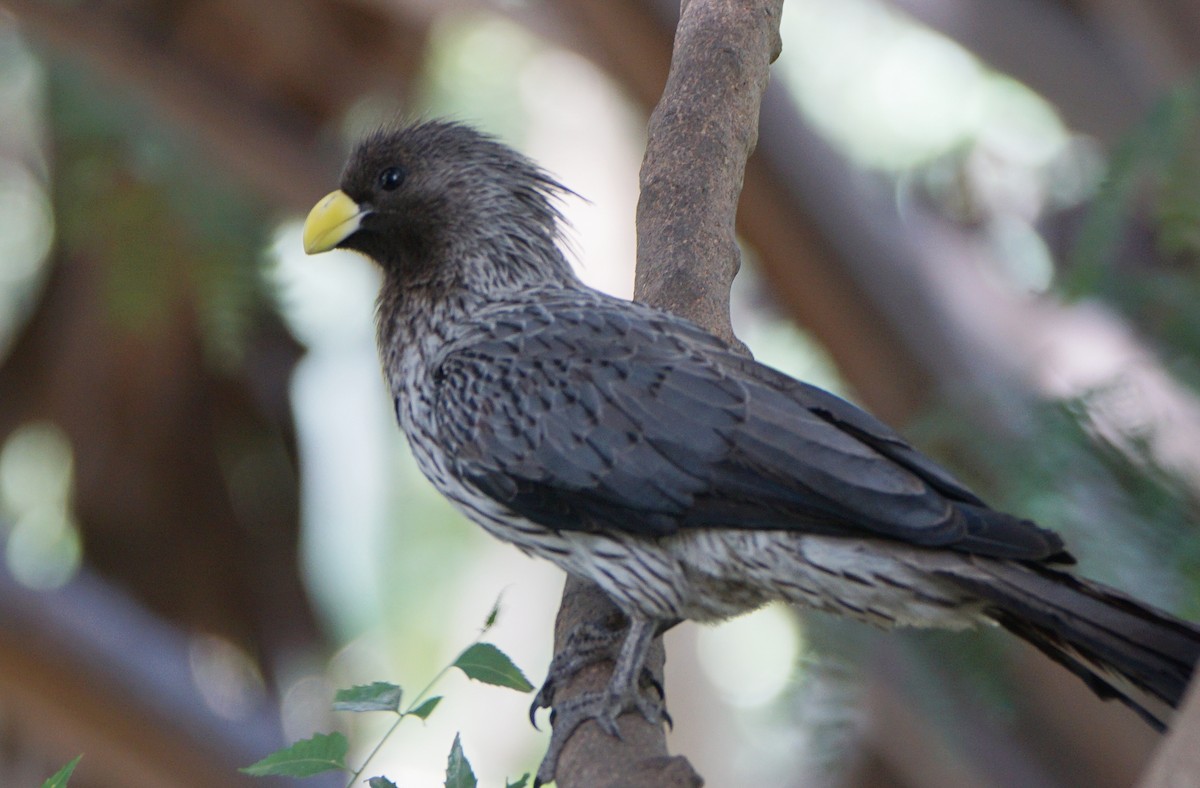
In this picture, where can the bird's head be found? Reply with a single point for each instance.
(438, 194)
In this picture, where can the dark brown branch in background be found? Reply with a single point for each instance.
(84, 669)
(701, 133)
(256, 85)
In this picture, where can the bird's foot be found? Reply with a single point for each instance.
(632, 687)
(603, 708)
(587, 644)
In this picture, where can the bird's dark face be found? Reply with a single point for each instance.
(408, 198)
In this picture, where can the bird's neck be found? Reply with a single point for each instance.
(499, 263)
(418, 314)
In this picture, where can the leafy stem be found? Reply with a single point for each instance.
(327, 752)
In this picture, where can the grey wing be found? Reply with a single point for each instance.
(607, 417)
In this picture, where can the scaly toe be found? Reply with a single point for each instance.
(565, 719)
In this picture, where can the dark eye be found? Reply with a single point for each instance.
(391, 178)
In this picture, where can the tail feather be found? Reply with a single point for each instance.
(1099, 634)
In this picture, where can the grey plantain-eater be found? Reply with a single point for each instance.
(634, 449)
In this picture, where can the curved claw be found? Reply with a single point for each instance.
(545, 695)
(589, 643)
(534, 708)
(652, 710)
(543, 700)
(647, 678)
(566, 666)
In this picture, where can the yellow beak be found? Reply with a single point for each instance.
(331, 221)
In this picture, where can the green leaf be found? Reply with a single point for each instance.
(322, 753)
(425, 709)
(492, 616)
(380, 696)
(59, 779)
(380, 782)
(458, 769)
(484, 662)
(520, 782)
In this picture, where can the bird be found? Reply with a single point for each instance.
(634, 449)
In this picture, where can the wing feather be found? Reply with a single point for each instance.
(614, 416)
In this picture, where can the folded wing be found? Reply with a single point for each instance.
(610, 416)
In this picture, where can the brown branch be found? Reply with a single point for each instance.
(888, 297)
(807, 270)
(639, 759)
(701, 133)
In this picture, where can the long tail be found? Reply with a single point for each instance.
(1100, 635)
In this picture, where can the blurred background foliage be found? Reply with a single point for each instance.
(192, 419)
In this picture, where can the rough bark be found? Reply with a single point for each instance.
(807, 273)
(701, 133)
